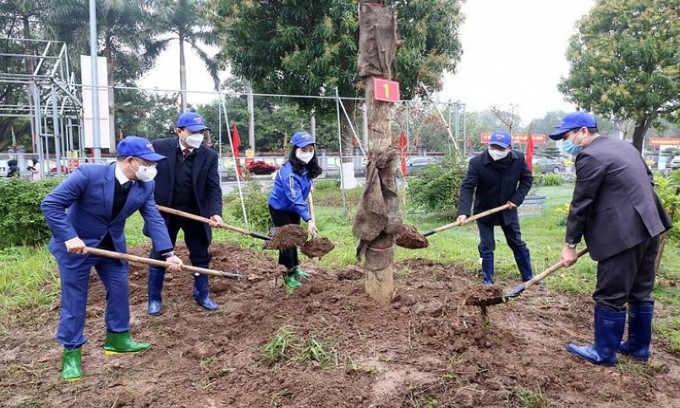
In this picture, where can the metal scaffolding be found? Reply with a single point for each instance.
(53, 102)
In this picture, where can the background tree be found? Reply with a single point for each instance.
(124, 30)
(186, 22)
(625, 62)
(310, 48)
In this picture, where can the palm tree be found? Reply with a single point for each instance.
(186, 22)
(123, 32)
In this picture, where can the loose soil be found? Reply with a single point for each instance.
(317, 247)
(288, 236)
(409, 237)
(342, 350)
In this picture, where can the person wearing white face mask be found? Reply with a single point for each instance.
(498, 176)
(188, 181)
(288, 199)
(89, 209)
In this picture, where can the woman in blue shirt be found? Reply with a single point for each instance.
(288, 199)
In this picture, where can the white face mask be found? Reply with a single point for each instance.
(194, 140)
(145, 173)
(498, 154)
(304, 157)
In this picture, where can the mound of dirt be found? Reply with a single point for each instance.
(329, 345)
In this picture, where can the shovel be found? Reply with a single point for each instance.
(156, 262)
(468, 219)
(207, 221)
(517, 290)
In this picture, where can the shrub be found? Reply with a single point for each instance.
(548, 180)
(668, 190)
(22, 221)
(260, 167)
(436, 187)
(255, 202)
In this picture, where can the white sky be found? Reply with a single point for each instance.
(513, 53)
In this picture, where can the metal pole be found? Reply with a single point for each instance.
(342, 179)
(56, 134)
(95, 82)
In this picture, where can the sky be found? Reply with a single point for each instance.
(513, 54)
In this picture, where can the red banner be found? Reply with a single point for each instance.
(518, 138)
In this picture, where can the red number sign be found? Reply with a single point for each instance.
(385, 90)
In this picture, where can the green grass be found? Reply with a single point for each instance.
(28, 276)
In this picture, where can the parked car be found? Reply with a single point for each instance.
(548, 165)
(418, 163)
(675, 163)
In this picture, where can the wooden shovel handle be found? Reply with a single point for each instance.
(156, 262)
(468, 219)
(551, 270)
(207, 221)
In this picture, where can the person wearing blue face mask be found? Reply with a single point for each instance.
(615, 209)
(495, 177)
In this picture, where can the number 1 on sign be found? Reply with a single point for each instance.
(386, 87)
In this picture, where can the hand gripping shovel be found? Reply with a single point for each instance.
(517, 290)
(156, 262)
(207, 221)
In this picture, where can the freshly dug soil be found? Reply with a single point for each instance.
(288, 236)
(329, 345)
(317, 247)
(482, 295)
(409, 237)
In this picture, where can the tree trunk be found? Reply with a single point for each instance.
(182, 75)
(377, 49)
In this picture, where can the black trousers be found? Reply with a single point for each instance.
(627, 277)
(487, 243)
(287, 257)
(195, 237)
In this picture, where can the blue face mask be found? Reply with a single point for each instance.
(571, 148)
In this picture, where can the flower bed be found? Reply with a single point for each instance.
(260, 167)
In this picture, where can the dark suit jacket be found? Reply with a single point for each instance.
(614, 204)
(206, 179)
(493, 187)
(81, 206)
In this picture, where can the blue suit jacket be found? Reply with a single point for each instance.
(81, 206)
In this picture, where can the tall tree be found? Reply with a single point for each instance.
(187, 23)
(123, 32)
(625, 62)
(310, 47)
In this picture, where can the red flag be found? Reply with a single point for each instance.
(236, 143)
(402, 149)
(530, 152)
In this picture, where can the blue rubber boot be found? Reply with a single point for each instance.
(487, 269)
(201, 293)
(639, 331)
(523, 260)
(608, 333)
(154, 288)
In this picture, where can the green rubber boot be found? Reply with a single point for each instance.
(298, 274)
(71, 362)
(290, 282)
(120, 343)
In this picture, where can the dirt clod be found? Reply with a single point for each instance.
(317, 247)
(409, 237)
(288, 236)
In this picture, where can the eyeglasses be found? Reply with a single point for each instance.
(145, 163)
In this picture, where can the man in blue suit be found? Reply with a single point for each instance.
(89, 209)
(188, 181)
(495, 177)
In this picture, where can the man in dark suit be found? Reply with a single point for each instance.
(188, 181)
(89, 209)
(615, 208)
(498, 176)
